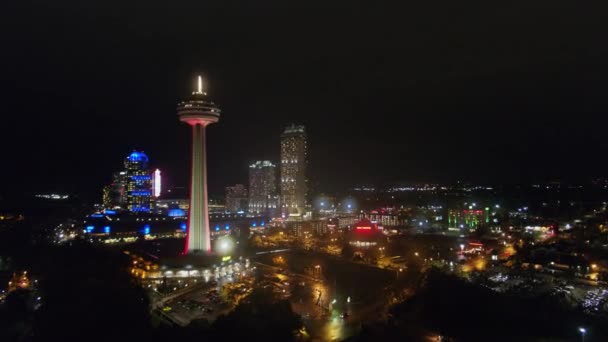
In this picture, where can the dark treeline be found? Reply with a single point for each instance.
(452, 307)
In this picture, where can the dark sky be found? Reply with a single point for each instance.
(439, 90)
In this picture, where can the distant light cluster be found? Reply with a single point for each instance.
(52, 196)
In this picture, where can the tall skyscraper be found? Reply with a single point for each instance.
(236, 198)
(293, 170)
(198, 111)
(138, 182)
(263, 188)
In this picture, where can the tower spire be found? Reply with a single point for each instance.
(200, 85)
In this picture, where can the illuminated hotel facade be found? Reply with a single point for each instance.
(263, 197)
(134, 188)
(294, 185)
(470, 219)
(138, 182)
(198, 111)
(236, 198)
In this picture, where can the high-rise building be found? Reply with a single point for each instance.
(107, 197)
(294, 185)
(138, 182)
(236, 198)
(263, 198)
(115, 194)
(198, 111)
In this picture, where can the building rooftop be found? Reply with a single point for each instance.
(136, 156)
(261, 163)
(294, 129)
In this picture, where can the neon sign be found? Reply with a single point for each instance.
(157, 183)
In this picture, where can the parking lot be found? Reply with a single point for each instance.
(207, 302)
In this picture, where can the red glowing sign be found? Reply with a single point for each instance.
(364, 228)
(473, 212)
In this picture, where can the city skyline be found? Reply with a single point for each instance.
(387, 96)
(381, 171)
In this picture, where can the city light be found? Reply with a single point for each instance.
(583, 331)
(52, 196)
(224, 245)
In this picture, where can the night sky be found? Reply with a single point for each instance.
(442, 90)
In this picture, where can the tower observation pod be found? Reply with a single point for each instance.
(198, 111)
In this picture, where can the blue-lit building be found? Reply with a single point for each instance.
(112, 226)
(138, 183)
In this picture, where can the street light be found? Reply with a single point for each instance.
(318, 268)
(583, 331)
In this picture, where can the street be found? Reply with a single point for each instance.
(323, 297)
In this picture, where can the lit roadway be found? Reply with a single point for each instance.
(323, 321)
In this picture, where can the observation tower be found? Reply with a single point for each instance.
(198, 111)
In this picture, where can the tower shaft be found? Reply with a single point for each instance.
(198, 237)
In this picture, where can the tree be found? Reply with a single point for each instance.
(87, 294)
(347, 251)
(16, 316)
(260, 317)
